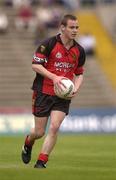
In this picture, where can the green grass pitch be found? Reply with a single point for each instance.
(75, 157)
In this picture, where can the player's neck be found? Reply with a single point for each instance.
(66, 42)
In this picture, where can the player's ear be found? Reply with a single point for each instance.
(62, 28)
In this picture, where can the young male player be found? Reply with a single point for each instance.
(57, 57)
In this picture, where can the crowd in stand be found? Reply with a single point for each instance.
(31, 14)
(38, 16)
(47, 12)
(3, 23)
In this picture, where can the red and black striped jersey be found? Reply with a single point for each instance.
(53, 55)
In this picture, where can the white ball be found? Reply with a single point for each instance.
(67, 88)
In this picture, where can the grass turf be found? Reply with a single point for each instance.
(81, 157)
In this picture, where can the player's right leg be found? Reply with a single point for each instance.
(36, 133)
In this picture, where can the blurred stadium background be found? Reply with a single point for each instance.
(23, 24)
(92, 119)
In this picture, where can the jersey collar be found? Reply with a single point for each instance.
(59, 40)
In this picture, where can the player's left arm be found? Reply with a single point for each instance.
(77, 83)
(78, 77)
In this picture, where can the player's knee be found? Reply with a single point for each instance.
(54, 128)
(39, 134)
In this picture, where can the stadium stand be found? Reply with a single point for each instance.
(16, 51)
(105, 49)
(107, 14)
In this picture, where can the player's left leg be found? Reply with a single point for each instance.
(56, 119)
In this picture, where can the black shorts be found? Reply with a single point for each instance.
(43, 104)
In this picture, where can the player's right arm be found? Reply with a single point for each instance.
(40, 58)
(38, 68)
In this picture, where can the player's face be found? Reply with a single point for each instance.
(71, 29)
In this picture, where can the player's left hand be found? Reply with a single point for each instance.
(73, 94)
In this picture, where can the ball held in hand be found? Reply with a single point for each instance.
(65, 90)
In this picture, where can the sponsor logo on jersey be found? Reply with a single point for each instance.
(63, 66)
